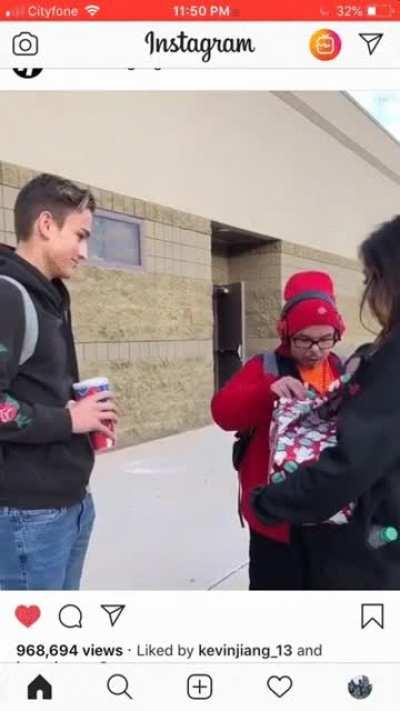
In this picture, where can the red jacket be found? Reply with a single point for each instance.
(246, 402)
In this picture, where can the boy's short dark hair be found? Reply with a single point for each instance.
(52, 193)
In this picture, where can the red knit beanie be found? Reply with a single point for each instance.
(309, 301)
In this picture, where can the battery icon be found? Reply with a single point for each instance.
(381, 10)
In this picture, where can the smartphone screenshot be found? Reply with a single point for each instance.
(199, 349)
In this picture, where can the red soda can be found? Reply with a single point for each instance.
(100, 441)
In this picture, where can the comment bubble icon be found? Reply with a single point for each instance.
(70, 616)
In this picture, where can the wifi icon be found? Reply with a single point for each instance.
(92, 9)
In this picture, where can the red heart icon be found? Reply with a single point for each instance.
(27, 615)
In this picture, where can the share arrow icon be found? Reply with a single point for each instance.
(114, 612)
(372, 39)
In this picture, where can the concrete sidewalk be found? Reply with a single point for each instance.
(166, 517)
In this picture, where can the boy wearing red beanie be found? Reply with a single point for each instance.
(309, 327)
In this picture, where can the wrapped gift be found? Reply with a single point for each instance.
(301, 430)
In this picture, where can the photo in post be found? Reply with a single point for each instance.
(216, 270)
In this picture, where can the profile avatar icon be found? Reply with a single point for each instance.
(360, 687)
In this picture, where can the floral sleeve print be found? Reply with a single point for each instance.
(10, 411)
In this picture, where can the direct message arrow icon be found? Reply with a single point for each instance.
(114, 612)
(372, 39)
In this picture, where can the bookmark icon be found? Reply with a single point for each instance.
(372, 613)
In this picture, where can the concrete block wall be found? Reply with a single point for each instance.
(260, 271)
(265, 271)
(149, 329)
(220, 269)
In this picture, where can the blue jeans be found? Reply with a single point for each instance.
(44, 549)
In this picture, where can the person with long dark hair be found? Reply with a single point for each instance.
(364, 466)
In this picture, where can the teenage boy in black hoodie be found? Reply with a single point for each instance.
(46, 513)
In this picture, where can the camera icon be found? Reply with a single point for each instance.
(25, 44)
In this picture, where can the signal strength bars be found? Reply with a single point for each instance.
(19, 12)
(15, 12)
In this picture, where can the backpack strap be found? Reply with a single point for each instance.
(270, 363)
(284, 366)
(340, 364)
(31, 334)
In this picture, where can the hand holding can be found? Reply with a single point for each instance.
(101, 429)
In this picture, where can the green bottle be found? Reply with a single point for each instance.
(381, 535)
(277, 477)
(290, 467)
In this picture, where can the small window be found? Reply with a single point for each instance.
(116, 240)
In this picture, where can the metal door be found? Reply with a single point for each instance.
(228, 306)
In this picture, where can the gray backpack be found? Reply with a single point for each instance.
(270, 363)
(31, 334)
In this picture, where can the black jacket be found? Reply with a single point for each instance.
(363, 467)
(42, 464)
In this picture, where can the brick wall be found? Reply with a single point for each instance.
(150, 329)
(265, 271)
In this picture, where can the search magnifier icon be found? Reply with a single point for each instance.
(118, 685)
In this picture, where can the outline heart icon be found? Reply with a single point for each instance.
(27, 616)
(276, 681)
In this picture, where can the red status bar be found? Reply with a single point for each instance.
(164, 10)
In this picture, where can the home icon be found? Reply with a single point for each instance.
(39, 688)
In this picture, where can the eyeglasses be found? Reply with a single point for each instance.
(305, 343)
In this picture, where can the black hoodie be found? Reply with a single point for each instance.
(42, 464)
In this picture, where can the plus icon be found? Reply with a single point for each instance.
(199, 687)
